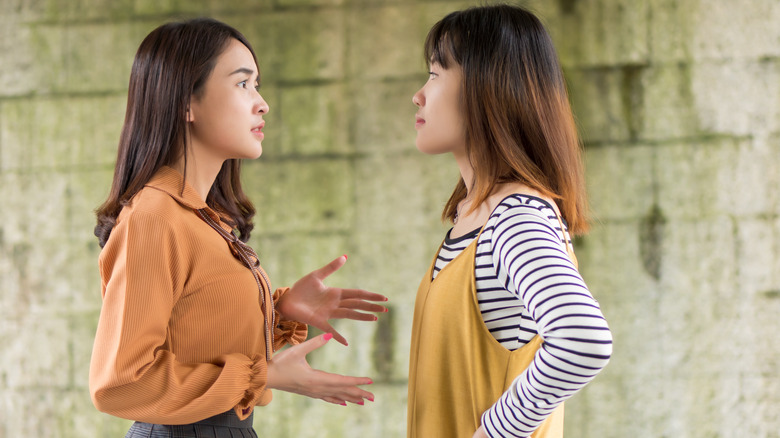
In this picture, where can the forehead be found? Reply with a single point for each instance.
(235, 56)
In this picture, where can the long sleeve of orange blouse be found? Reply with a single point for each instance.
(181, 330)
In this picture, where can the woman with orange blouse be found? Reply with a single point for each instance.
(189, 324)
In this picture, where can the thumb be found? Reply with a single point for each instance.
(331, 267)
(313, 343)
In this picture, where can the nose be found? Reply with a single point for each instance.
(261, 106)
(418, 98)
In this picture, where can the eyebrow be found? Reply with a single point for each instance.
(242, 70)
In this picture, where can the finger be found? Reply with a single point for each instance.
(340, 339)
(362, 305)
(338, 383)
(351, 314)
(361, 294)
(330, 268)
(350, 382)
(312, 344)
(328, 329)
(357, 396)
(335, 401)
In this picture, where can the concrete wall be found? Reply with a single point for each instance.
(679, 107)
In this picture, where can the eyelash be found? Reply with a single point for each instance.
(243, 84)
(432, 74)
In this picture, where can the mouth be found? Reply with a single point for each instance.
(418, 121)
(258, 130)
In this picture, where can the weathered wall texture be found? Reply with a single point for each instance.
(679, 107)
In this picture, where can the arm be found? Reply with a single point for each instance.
(133, 374)
(530, 259)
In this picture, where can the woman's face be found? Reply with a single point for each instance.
(226, 117)
(439, 121)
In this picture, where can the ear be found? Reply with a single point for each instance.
(190, 116)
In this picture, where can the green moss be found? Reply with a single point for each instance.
(651, 237)
(384, 346)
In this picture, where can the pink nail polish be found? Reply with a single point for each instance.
(327, 336)
(343, 403)
(369, 382)
(345, 257)
(361, 403)
(371, 399)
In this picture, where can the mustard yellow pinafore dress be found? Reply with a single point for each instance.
(457, 369)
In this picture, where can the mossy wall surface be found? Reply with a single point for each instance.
(678, 104)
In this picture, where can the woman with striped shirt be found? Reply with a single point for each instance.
(505, 328)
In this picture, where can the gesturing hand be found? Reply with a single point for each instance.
(311, 302)
(289, 371)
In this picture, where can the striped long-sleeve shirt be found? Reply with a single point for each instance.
(526, 284)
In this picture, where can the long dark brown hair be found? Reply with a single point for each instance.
(171, 65)
(519, 124)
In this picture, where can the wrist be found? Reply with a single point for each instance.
(281, 302)
(271, 378)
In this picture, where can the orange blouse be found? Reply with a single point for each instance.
(181, 335)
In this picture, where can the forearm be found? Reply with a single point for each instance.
(168, 392)
(551, 379)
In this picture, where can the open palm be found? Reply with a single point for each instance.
(311, 302)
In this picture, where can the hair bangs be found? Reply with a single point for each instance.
(440, 47)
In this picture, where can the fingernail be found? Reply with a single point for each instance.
(327, 336)
(345, 257)
(375, 318)
(370, 382)
(386, 310)
(343, 403)
(386, 298)
(361, 403)
(371, 398)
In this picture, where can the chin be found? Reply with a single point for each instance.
(421, 146)
(426, 149)
(255, 154)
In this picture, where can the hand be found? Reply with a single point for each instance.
(311, 302)
(289, 371)
(480, 433)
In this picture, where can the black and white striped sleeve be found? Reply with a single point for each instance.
(531, 262)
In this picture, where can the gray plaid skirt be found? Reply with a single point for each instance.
(225, 425)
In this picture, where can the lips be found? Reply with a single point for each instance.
(418, 121)
(258, 130)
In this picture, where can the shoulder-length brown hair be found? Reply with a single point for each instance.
(519, 124)
(171, 65)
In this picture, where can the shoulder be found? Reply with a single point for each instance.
(152, 219)
(517, 209)
(152, 205)
(523, 223)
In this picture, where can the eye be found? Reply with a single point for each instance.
(257, 87)
(243, 84)
(432, 75)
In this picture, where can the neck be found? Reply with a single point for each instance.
(466, 171)
(200, 174)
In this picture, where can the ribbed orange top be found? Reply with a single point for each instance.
(181, 331)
